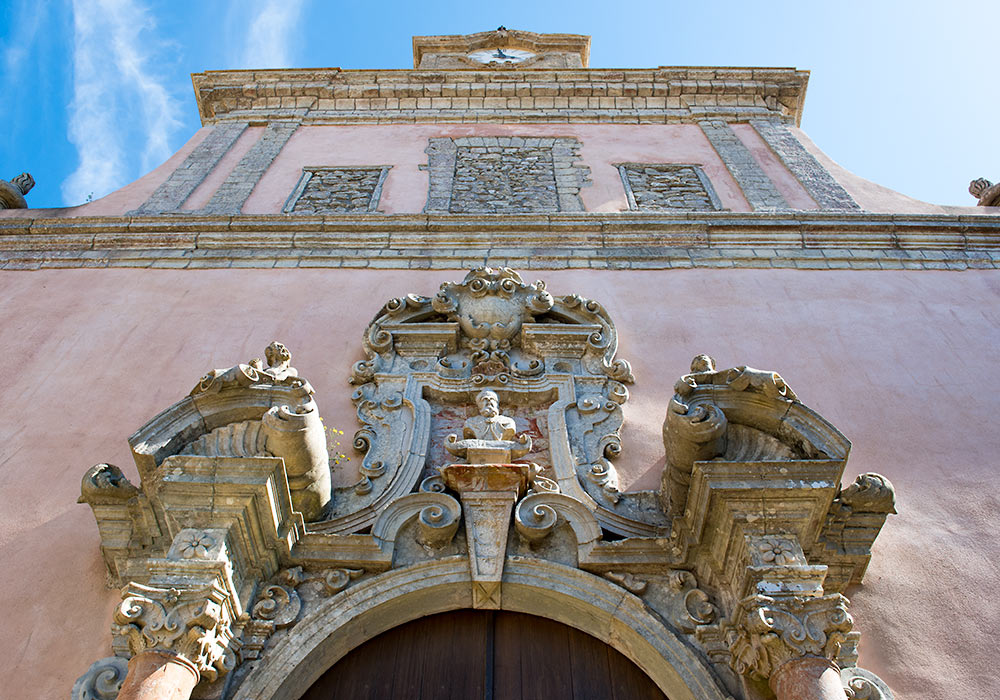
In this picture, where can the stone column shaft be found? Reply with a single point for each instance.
(808, 678)
(159, 675)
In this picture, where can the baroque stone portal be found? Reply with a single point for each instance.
(490, 421)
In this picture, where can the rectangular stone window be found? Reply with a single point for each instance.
(504, 175)
(335, 190)
(667, 187)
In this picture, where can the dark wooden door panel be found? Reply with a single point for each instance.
(484, 655)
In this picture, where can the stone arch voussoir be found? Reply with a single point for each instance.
(537, 587)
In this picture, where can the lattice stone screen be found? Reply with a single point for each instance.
(501, 175)
(323, 190)
(663, 187)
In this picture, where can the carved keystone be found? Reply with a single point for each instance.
(488, 493)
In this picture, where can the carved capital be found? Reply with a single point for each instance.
(765, 632)
(195, 623)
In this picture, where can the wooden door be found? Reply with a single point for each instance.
(484, 655)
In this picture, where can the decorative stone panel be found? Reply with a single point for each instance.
(667, 186)
(504, 175)
(323, 190)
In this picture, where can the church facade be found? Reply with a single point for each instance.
(493, 270)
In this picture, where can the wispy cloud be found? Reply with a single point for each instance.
(28, 21)
(269, 35)
(115, 92)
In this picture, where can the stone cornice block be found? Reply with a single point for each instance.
(729, 500)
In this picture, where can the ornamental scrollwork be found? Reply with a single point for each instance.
(766, 632)
(196, 623)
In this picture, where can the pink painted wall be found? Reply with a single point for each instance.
(901, 361)
(405, 189)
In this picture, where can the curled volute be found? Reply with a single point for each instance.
(740, 414)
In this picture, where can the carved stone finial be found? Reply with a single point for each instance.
(986, 192)
(196, 623)
(12, 193)
(767, 632)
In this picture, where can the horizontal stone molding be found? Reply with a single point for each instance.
(632, 240)
(332, 95)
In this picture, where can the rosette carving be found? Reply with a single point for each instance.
(766, 632)
(195, 623)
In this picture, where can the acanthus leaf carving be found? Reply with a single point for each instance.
(196, 623)
(766, 632)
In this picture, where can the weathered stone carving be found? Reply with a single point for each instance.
(765, 632)
(12, 193)
(986, 192)
(102, 680)
(861, 684)
(490, 437)
(196, 623)
(854, 520)
(550, 360)
(697, 426)
(221, 569)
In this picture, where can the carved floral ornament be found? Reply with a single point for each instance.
(492, 406)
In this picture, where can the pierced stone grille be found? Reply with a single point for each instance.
(337, 190)
(659, 187)
(504, 175)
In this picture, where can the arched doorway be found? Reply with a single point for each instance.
(484, 654)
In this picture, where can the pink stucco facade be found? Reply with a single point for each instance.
(899, 361)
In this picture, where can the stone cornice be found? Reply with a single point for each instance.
(618, 241)
(652, 95)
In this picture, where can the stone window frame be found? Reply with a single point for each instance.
(570, 177)
(309, 170)
(698, 170)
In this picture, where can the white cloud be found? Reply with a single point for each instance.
(115, 92)
(269, 35)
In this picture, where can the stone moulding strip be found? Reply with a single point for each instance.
(171, 194)
(630, 240)
(820, 185)
(757, 187)
(238, 185)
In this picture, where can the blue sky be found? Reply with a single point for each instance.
(95, 93)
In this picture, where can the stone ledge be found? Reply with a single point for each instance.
(331, 93)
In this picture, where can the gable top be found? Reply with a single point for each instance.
(528, 50)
